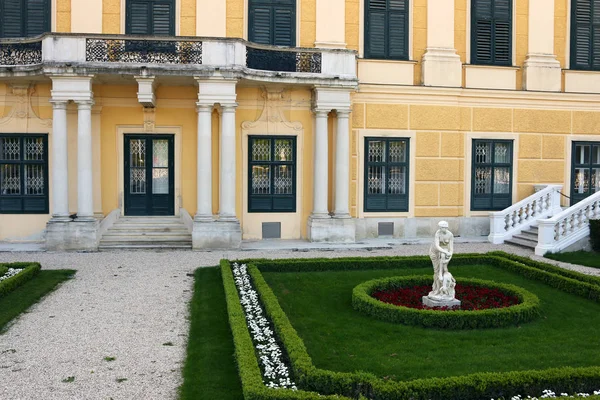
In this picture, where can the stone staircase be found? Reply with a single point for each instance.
(527, 238)
(147, 233)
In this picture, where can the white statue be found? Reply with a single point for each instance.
(440, 253)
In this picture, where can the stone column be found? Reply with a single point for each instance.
(342, 165)
(320, 187)
(542, 71)
(204, 164)
(60, 169)
(441, 64)
(85, 195)
(227, 185)
(331, 24)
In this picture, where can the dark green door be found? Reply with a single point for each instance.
(585, 175)
(149, 175)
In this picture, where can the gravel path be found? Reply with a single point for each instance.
(126, 305)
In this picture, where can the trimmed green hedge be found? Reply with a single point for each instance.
(362, 301)
(595, 234)
(249, 370)
(29, 271)
(474, 386)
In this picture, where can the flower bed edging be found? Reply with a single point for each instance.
(27, 272)
(362, 301)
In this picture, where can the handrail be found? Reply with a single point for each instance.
(520, 216)
(568, 226)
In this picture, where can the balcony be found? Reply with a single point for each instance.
(107, 55)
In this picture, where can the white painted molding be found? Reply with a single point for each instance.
(76, 88)
(146, 87)
(328, 99)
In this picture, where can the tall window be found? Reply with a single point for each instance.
(491, 185)
(22, 18)
(491, 32)
(272, 22)
(23, 174)
(386, 174)
(150, 17)
(386, 29)
(272, 174)
(585, 34)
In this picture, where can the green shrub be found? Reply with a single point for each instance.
(595, 234)
(362, 301)
(29, 271)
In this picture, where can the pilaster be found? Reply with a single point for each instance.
(441, 64)
(331, 24)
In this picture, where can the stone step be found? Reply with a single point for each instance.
(138, 246)
(148, 222)
(528, 244)
(145, 238)
(529, 235)
(148, 228)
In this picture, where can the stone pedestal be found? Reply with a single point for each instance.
(216, 235)
(331, 230)
(542, 72)
(442, 67)
(450, 303)
(72, 235)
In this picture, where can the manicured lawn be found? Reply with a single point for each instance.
(20, 299)
(210, 371)
(338, 338)
(587, 258)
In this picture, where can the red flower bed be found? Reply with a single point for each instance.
(471, 297)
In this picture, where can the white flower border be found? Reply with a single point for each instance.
(275, 371)
(10, 273)
(549, 394)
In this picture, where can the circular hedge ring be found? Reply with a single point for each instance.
(362, 301)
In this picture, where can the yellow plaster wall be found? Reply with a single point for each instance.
(521, 42)
(308, 23)
(419, 35)
(111, 16)
(352, 24)
(235, 18)
(460, 29)
(560, 30)
(187, 25)
(63, 15)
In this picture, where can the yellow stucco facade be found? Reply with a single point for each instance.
(439, 122)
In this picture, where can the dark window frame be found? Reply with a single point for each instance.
(23, 30)
(172, 21)
(593, 60)
(493, 165)
(272, 163)
(368, 54)
(22, 163)
(474, 32)
(386, 164)
(576, 197)
(273, 4)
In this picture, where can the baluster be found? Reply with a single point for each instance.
(506, 222)
(529, 211)
(515, 218)
(557, 231)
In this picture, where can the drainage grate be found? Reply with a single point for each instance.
(271, 230)
(385, 229)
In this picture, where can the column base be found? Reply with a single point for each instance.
(216, 235)
(542, 72)
(72, 236)
(331, 230)
(442, 67)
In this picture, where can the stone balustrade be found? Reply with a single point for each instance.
(567, 227)
(520, 216)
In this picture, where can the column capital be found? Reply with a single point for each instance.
(59, 104)
(84, 104)
(343, 112)
(228, 107)
(321, 111)
(204, 107)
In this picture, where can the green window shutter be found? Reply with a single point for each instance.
(150, 17)
(272, 22)
(12, 18)
(386, 29)
(491, 33)
(585, 34)
(38, 17)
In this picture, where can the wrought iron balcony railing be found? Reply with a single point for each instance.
(114, 54)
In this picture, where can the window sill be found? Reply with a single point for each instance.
(490, 77)
(386, 72)
(579, 81)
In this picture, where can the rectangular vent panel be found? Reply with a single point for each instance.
(385, 229)
(271, 230)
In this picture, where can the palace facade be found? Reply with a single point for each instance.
(325, 120)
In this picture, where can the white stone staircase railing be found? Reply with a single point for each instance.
(568, 226)
(520, 216)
